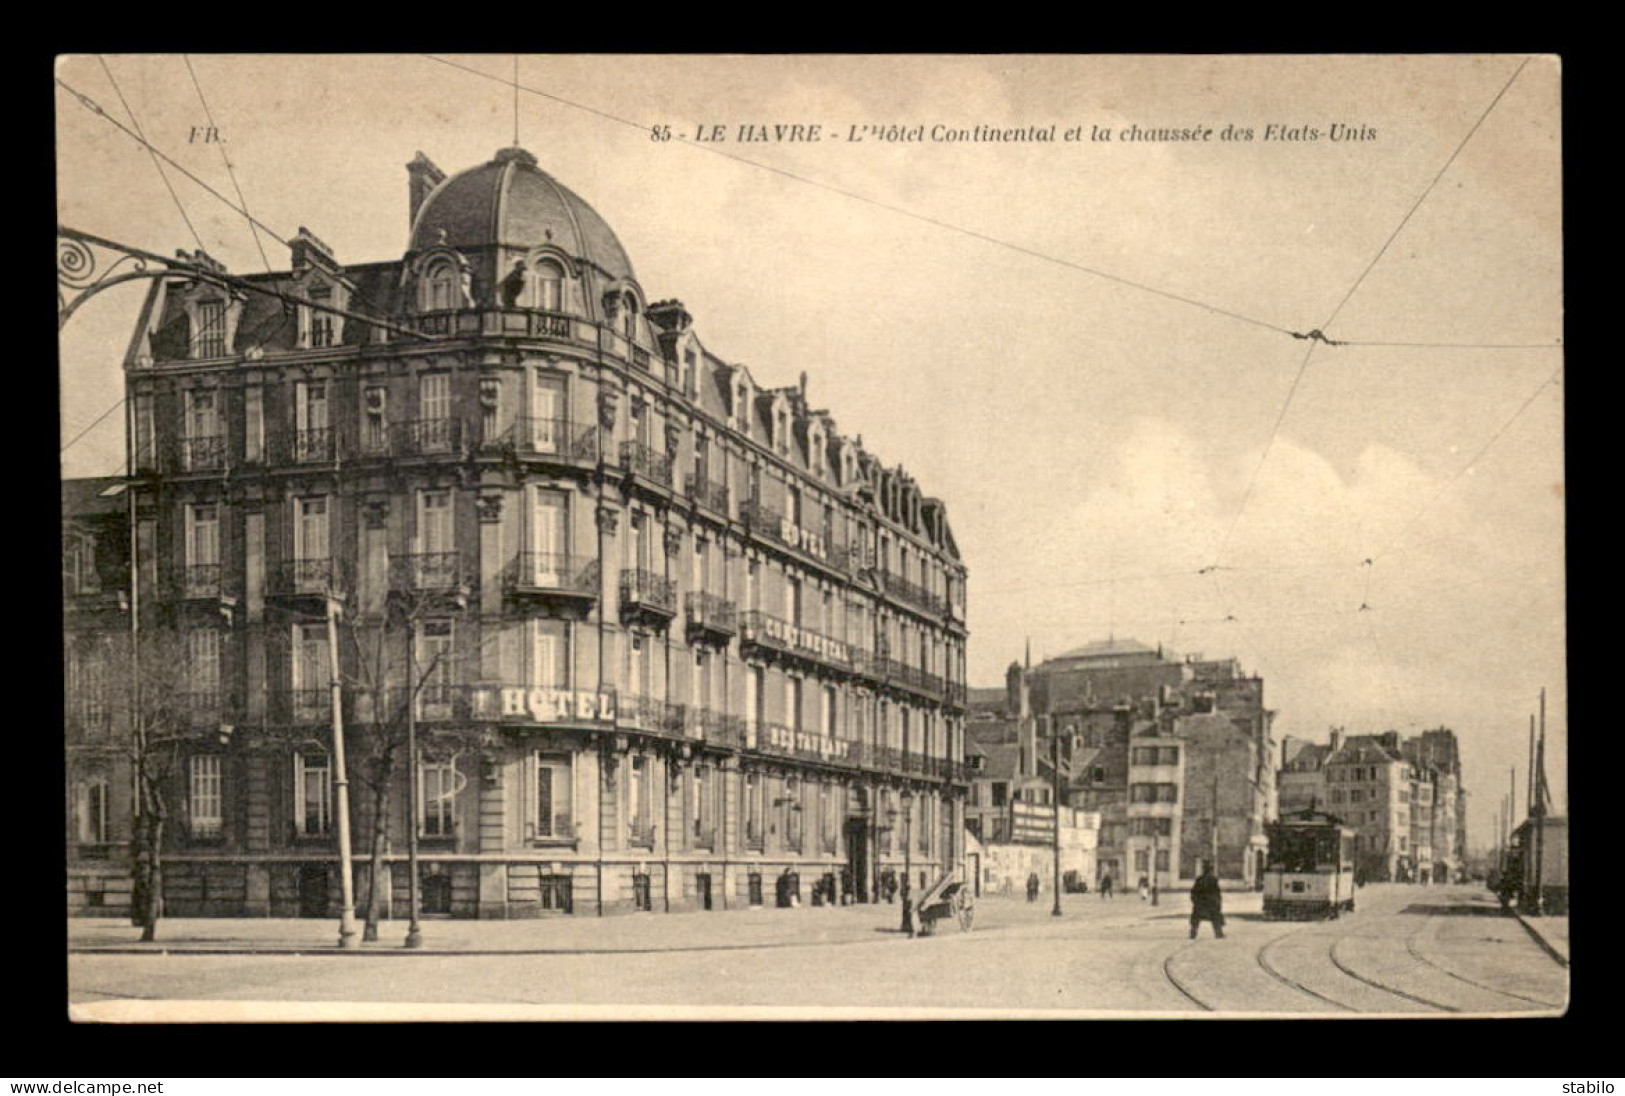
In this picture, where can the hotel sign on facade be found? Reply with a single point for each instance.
(543, 705)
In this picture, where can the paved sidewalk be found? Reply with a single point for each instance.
(1552, 933)
(588, 934)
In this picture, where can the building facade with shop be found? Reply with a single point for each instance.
(669, 639)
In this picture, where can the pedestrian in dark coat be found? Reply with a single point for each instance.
(1207, 902)
(1032, 887)
(1106, 885)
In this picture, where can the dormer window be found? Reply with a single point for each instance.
(782, 433)
(629, 317)
(440, 287)
(549, 286)
(211, 333)
(319, 323)
(742, 409)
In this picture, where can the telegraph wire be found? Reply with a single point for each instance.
(92, 426)
(1369, 344)
(924, 218)
(96, 108)
(1398, 538)
(207, 113)
(1424, 196)
(142, 138)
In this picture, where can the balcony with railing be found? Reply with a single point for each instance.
(912, 594)
(768, 632)
(553, 577)
(201, 454)
(303, 705)
(205, 706)
(759, 517)
(317, 445)
(546, 439)
(777, 528)
(427, 437)
(648, 596)
(904, 675)
(716, 728)
(302, 579)
(653, 715)
(531, 323)
(779, 740)
(711, 616)
(646, 461)
(436, 702)
(708, 493)
(427, 573)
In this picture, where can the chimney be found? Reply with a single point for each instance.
(308, 251)
(1337, 739)
(423, 176)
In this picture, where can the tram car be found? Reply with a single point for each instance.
(1310, 871)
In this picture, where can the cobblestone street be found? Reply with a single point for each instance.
(1406, 950)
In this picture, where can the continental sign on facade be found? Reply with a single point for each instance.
(543, 705)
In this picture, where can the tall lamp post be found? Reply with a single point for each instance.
(348, 938)
(414, 931)
(1156, 841)
(908, 819)
(1055, 834)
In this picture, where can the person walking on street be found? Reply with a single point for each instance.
(1145, 888)
(1032, 886)
(1106, 885)
(1207, 902)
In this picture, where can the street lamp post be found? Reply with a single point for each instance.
(1156, 840)
(908, 819)
(1055, 834)
(414, 931)
(348, 938)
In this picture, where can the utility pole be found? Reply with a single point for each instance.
(347, 934)
(1055, 777)
(414, 931)
(1537, 810)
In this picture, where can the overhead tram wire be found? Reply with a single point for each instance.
(912, 214)
(92, 426)
(209, 114)
(96, 108)
(142, 137)
(1292, 390)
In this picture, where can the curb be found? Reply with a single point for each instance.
(1539, 938)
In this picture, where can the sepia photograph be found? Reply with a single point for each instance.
(793, 537)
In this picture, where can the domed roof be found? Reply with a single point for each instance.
(511, 202)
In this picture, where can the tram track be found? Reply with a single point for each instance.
(1286, 980)
(1410, 946)
(1331, 953)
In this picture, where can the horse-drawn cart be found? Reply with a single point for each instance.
(947, 898)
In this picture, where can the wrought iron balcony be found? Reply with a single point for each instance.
(907, 676)
(912, 594)
(309, 578)
(427, 437)
(555, 439)
(716, 728)
(304, 705)
(653, 715)
(553, 575)
(426, 572)
(646, 594)
(759, 517)
(318, 445)
(711, 615)
(514, 322)
(203, 454)
(708, 493)
(782, 741)
(646, 461)
(205, 707)
(201, 582)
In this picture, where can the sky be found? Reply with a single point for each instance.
(1085, 348)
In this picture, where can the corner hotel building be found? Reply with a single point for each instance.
(706, 651)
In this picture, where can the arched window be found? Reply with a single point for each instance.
(440, 287)
(549, 286)
(629, 317)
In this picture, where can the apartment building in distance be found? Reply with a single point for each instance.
(1403, 796)
(1174, 753)
(671, 639)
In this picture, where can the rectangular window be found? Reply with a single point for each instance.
(90, 810)
(828, 721)
(202, 430)
(203, 668)
(547, 419)
(434, 412)
(437, 796)
(211, 329)
(753, 811)
(310, 532)
(436, 538)
(254, 424)
(323, 324)
(435, 669)
(555, 797)
(203, 541)
(548, 537)
(549, 654)
(754, 681)
(204, 798)
(312, 439)
(311, 685)
(640, 780)
(312, 795)
(146, 449)
(792, 700)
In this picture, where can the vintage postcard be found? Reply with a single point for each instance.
(812, 536)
